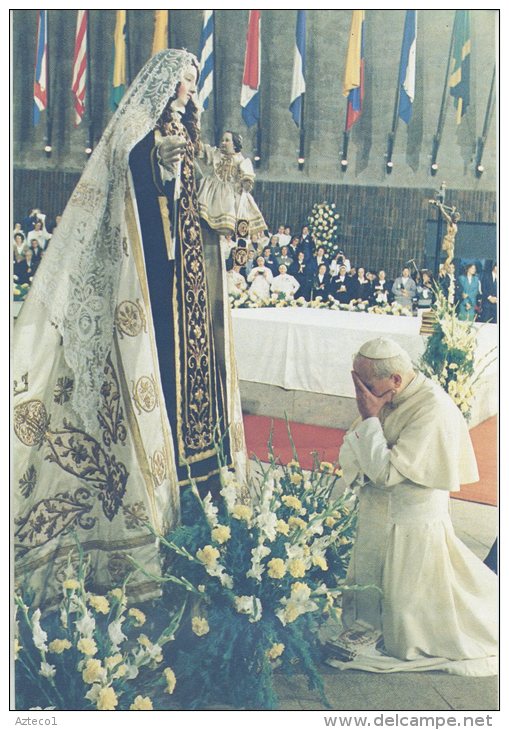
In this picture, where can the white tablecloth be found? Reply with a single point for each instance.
(312, 350)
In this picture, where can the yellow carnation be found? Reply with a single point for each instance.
(144, 641)
(107, 699)
(87, 646)
(276, 568)
(120, 671)
(297, 568)
(330, 521)
(242, 512)
(57, 646)
(137, 615)
(293, 502)
(99, 603)
(112, 661)
(171, 680)
(282, 527)
(294, 464)
(275, 651)
(141, 703)
(71, 584)
(297, 522)
(200, 626)
(296, 478)
(92, 672)
(208, 555)
(118, 595)
(326, 466)
(221, 533)
(320, 562)
(291, 613)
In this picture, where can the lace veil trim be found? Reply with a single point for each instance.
(78, 279)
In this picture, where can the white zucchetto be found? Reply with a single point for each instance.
(381, 348)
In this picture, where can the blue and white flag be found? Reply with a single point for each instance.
(407, 67)
(299, 69)
(250, 93)
(41, 66)
(206, 59)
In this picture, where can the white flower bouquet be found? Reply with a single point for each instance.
(91, 653)
(265, 575)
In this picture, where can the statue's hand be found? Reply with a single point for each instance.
(247, 184)
(170, 151)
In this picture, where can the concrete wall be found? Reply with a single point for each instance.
(325, 105)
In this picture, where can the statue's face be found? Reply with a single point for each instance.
(187, 85)
(227, 143)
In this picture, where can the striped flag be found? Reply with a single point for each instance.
(459, 79)
(206, 59)
(407, 67)
(299, 69)
(250, 94)
(41, 66)
(79, 69)
(119, 76)
(160, 41)
(353, 83)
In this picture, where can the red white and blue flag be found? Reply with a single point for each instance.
(41, 66)
(250, 94)
(353, 84)
(79, 69)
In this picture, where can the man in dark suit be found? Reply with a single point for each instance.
(489, 287)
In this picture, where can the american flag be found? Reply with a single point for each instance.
(41, 68)
(79, 69)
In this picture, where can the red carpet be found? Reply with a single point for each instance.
(326, 443)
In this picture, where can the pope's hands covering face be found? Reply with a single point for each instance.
(368, 402)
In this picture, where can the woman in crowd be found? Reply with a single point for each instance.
(469, 292)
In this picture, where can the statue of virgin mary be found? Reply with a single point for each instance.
(123, 360)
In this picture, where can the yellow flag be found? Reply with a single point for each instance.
(160, 41)
(352, 78)
(119, 75)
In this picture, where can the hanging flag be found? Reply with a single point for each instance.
(407, 67)
(160, 41)
(250, 94)
(79, 69)
(353, 83)
(206, 59)
(119, 77)
(459, 79)
(299, 68)
(41, 67)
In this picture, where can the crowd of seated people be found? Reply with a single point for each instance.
(296, 266)
(30, 238)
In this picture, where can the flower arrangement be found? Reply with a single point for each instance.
(250, 300)
(324, 227)
(264, 577)
(19, 291)
(449, 355)
(91, 654)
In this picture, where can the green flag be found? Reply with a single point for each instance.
(119, 74)
(459, 79)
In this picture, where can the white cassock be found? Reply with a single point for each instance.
(235, 282)
(260, 279)
(437, 608)
(285, 283)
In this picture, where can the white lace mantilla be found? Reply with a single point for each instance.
(78, 278)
